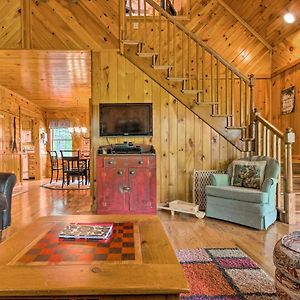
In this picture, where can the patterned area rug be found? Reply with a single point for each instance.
(224, 274)
(72, 186)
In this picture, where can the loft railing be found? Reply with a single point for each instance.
(204, 72)
(215, 81)
(272, 142)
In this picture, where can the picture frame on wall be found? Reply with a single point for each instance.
(288, 100)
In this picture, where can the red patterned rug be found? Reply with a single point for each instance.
(224, 274)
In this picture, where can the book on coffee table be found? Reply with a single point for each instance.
(86, 231)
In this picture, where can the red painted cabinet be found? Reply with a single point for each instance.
(126, 184)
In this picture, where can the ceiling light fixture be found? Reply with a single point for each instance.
(76, 128)
(289, 18)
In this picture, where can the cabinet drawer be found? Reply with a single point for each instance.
(114, 162)
(135, 162)
(129, 161)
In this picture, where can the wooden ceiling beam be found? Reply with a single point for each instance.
(26, 24)
(245, 24)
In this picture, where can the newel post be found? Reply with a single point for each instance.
(289, 195)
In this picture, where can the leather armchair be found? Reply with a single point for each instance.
(7, 183)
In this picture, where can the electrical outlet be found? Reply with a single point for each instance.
(135, 25)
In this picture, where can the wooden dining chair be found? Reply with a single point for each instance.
(71, 166)
(85, 161)
(55, 167)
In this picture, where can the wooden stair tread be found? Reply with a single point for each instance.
(207, 103)
(221, 115)
(236, 127)
(161, 67)
(192, 92)
(130, 42)
(176, 78)
(146, 54)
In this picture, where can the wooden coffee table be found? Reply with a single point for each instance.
(136, 263)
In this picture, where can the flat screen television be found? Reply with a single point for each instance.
(125, 119)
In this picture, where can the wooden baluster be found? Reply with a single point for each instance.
(218, 100)
(160, 48)
(203, 73)
(182, 54)
(258, 138)
(241, 103)
(122, 29)
(252, 109)
(227, 109)
(289, 195)
(264, 140)
(247, 108)
(189, 64)
(130, 20)
(212, 94)
(197, 68)
(154, 29)
(168, 42)
(138, 21)
(174, 52)
(280, 200)
(268, 136)
(274, 148)
(232, 99)
(145, 23)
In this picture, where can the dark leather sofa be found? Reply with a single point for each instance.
(7, 183)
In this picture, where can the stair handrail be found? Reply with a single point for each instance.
(269, 125)
(198, 40)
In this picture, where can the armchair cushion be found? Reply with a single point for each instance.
(248, 174)
(220, 179)
(238, 193)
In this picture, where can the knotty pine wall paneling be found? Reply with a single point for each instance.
(212, 23)
(182, 141)
(13, 106)
(282, 81)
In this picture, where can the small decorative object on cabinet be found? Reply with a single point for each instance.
(126, 182)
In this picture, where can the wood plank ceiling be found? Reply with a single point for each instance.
(266, 17)
(51, 79)
(94, 25)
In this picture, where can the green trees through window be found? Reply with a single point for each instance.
(61, 139)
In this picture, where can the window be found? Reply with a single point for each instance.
(61, 139)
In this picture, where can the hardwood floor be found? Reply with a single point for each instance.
(183, 231)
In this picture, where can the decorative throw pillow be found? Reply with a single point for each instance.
(248, 174)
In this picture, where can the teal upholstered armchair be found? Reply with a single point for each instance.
(246, 194)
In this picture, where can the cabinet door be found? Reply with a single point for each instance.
(113, 197)
(141, 197)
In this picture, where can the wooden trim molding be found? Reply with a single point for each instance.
(245, 24)
(286, 68)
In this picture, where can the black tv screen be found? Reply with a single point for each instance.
(126, 119)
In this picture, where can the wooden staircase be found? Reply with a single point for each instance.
(188, 69)
(205, 83)
(190, 98)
